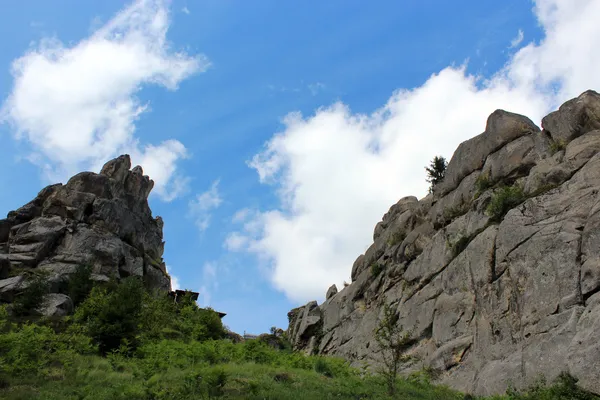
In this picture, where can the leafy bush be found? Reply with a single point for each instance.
(32, 297)
(564, 388)
(376, 269)
(503, 200)
(396, 237)
(482, 183)
(557, 145)
(80, 284)
(111, 314)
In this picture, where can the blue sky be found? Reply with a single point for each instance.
(278, 132)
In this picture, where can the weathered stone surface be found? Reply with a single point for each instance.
(574, 118)
(56, 305)
(502, 127)
(9, 287)
(102, 220)
(332, 291)
(488, 303)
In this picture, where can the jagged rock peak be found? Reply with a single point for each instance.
(496, 273)
(102, 220)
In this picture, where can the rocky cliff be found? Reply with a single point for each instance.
(102, 220)
(497, 272)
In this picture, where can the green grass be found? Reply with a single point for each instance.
(173, 351)
(504, 199)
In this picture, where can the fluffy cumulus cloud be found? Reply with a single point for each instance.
(77, 105)
(337, 173)
(202, 206)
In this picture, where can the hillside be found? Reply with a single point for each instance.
(496, 274)
(496, 284)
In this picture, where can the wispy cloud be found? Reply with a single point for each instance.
(315, 88)
(201, 207)
(76, 104)
(518, 39)
(185, 10)
(210, 282)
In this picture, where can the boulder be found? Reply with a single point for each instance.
(102, 220)
(332, 291)
(574, 118)
(56, 305)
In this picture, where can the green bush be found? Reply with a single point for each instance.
(32, 297)
(503, 200)
(482, 183)
(111, 315)
(396, 238)
(80, 284)
(557, 145)
(376, 269)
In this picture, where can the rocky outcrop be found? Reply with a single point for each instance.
(102, 220)
(491, 298)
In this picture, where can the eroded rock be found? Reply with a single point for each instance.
(488, 303)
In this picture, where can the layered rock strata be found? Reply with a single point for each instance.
(491, 300)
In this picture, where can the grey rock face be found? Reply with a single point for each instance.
(490, 304)
(332, 291)
(56, 305)
(102, 220)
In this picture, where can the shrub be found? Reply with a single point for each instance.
(258, 352)
(436, 171)
(396, 237)
(32, 297)
(322, 367)
(80, 284)
(376, 269)
(112, 314)
(393, 343)
(557, 145)
(482, 183)
(503, 200)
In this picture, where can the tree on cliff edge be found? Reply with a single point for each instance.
(393, 344)
(436, 171)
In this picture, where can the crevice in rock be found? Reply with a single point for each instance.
(515, 247)
(589, 294)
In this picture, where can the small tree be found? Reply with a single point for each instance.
(436, 171)
(393, 343)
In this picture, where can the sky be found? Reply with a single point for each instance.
(277, 133)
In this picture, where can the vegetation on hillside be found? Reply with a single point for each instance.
(125, 343)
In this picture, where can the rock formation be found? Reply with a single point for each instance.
(102, 220)
(492, 298)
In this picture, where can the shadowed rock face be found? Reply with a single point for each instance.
(492, 303)
(102, 220)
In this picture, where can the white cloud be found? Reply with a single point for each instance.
(201, 207)
(185, 10)
(240, 215)
(175, 285)
(77, 106)
(518, 39)
(235, 241)
(337, 173)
